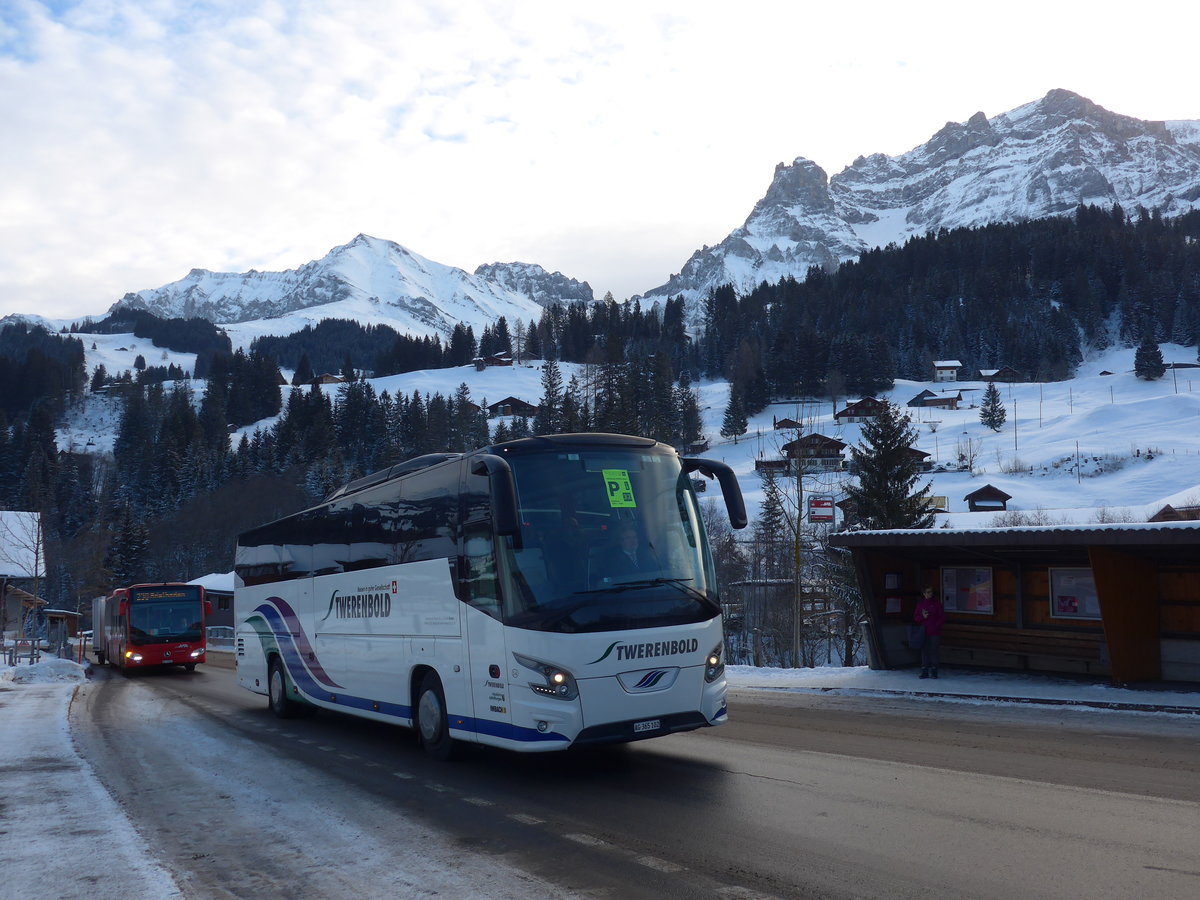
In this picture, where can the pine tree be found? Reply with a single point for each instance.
(1147, 361)
(735, 422)
(550, 411)
(887, 470)
(304, 373)
(992, 412)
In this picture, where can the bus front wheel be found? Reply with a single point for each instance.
(433, 726)
(277, 697)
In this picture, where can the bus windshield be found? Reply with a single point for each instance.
(166, 615)
(610, 539)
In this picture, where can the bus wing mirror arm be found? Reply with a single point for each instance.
(503, 490)
(732, 491)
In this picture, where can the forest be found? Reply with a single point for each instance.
(170, 500)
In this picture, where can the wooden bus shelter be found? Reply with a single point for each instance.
(1118, 600)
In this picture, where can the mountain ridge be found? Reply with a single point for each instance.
(1041, 159)
(418, 295)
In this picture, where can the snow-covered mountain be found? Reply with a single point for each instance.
(368, 279)
(1041, 159)
(536, 283)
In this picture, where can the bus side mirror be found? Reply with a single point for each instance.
(735, 505)
(208, 607)
(123, 608)
(503, 492)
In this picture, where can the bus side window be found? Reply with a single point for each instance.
(479, 575)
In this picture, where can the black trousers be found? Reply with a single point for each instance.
(929, 651)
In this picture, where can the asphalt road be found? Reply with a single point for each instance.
(799, 796)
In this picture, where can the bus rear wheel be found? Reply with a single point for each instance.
(433, 725)
(277, 697)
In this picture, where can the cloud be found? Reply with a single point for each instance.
(145, 138)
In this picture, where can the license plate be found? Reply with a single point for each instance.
(648, 725)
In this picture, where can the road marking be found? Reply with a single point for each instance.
(327, 749)
(526, 819)
(662, 865)
(403, 775)
(440, 788)
(478, 801)
(587, 840)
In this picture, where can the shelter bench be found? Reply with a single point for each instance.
(1005, 647)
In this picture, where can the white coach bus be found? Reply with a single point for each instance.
(535, 595)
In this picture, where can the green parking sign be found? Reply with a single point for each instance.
(620, 489)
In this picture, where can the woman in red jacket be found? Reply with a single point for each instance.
(931, 615)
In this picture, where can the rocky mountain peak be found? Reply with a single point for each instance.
(1041, 159)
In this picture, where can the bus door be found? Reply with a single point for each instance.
(480, 588)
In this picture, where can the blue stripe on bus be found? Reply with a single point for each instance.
(313, 690)
(282, 620)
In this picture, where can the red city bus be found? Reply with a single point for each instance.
(153, 625)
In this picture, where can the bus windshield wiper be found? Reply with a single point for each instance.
(680, 583)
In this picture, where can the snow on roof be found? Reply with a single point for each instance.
(947, 363)
(215, 581)
(1121, 533)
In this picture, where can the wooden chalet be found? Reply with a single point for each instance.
(946, 369)
(1004, 374)
(816, 451)
(921, 458)
(790, 424)
(503, 358)
(928, 398)
(1116, 600)
(987, 499)
(1171, 513)
(863, 410)
(512, 406)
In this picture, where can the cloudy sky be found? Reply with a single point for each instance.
(142, 138)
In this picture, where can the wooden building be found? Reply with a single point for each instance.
(929, 399)
(864, 410)
(816, 452)
(987, 499)
(946, 369)
(512, 406)
(1171, 513)
(1004, 374)
(1118, 600)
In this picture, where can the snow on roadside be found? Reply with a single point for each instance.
(59, 817)
(64, 830)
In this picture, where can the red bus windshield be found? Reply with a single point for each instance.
(162, 615)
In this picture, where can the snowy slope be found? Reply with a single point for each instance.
(1137, 442)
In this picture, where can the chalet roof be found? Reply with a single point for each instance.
(947, 364)
(507, 401)
(25, 598)
(988, 492)
(988, 373)
(867, 406)
(1179, 534)
(815, 442)
(1171, 513)
(787, 423)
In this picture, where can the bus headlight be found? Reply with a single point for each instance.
(133, 657)
(196, 654)
(557, 681)
(714, 668)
